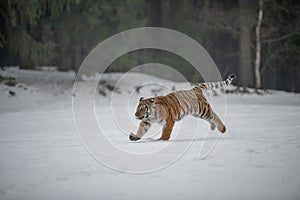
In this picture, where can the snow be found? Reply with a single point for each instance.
(42, 157)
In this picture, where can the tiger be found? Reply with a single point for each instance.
(168, 109)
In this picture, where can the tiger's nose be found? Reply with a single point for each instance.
(139, 117)
(136, 115)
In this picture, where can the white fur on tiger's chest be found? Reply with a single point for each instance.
(156, 115)
(154, 119)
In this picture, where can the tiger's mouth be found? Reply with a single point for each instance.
(140, 117)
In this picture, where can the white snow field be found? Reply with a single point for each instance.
(42, 157)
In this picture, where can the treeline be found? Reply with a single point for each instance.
(259, 40)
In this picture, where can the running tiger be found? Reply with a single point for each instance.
(165, 110)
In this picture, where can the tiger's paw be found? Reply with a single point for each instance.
(164, 138)
(133, 137)
(223, 130)
(212, 126)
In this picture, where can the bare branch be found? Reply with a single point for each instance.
(220, 27)
(274, 54)
(283, 37)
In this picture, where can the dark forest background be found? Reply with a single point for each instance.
(259, 40)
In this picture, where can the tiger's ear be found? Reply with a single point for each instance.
(142, 98)
(152, 100)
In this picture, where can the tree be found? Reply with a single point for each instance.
(246, 73)
(258, 45)
(155, 14)
(280, 36)
(23, 33)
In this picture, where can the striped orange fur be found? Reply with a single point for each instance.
(166, 110)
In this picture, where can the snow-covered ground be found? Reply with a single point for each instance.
(41, 156)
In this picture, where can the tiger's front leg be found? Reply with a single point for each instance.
(143, 128)
(167, 130)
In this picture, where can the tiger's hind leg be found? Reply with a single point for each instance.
(209, 120)
(212, 125)
(214, 118)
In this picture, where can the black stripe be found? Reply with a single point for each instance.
(147, 123)
(183, 102)
(217, 85)
(179, 106)
(202, 110)
(173, 104)
(186, 101)
(166, 104)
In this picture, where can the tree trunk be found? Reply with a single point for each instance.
(77, 58)
(245, 46)
(154, 19)
(176, 15)
(258, 46)
(155, 13)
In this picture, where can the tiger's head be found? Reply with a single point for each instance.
(143, 110)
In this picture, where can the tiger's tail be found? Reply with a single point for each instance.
(216, 85)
